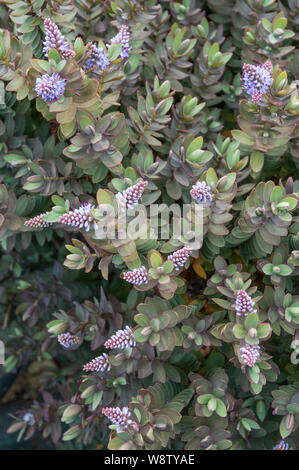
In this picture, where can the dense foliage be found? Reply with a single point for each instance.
(149, 342)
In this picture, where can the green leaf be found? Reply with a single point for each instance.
(71, 433)
(254, 375)
(263, 330)
(172, 373)
(204, 399)
(114, 51)
(226, 182)
(15, 159)
(220, 408)
(251, 423)
(256, 161)
(212, 403)
(243, 138)
(168, 267)
(159, 371)
(276, 194)
(292, 202)
(268, 269)
(58, 201)
(116, 443)
(261, 410)
(287, 425)
(251, 321)
(195, 145)
(211, 176)
(140, 338)
(10, 363)
(267, 25)
(97, 398)
(239, 331)
(70, 412)
(155, 259)
(256, 388)
(52, 217)
(285, 270)
(141, 319)
(279, 22)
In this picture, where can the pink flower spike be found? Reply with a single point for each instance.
(137, 277)
(123, 38)
(55, 40)
(118, 416)
(98, 364)
(130, 197)
(180, 257)
(80, 218)
(122, 339)
(250, 354)
(37, 221)
(67, 340)
(244, 304)
(268, 66)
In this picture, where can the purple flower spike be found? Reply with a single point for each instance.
(97, 58)
(122, 339)
(180, 257)
(244, 304)
(281, 446)
(98, 364)
(123, 38)
(67, 340)
(37, 221)
(80, 218)
(118, 416)
(137, 276)
(201, 192)
(130, 197)
(268, 66)
(250, 354)
(50, 87)
(257, 80)
(55, 40)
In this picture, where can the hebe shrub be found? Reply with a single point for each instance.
(150, 342)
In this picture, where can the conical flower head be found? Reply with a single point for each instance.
(97, 58)
(244, 304)
(137, 277)
(98, 364)
(256, 80)
(122, 339)
(201, 192)
(180, 257)
(55, 40)
(37, 221)
(281, 446)
(118, 416)
(130, 197)
(268, 66)
(67, 340)
(250, 354)
(50, 87)
(123, 38)
(80, 218)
